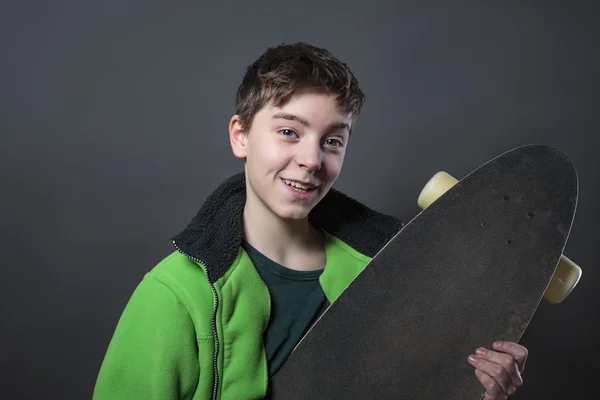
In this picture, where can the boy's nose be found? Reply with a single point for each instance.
(310, 157)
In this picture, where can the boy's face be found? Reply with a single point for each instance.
(294, 153)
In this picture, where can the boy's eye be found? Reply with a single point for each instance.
(287, 132)
(333, 142)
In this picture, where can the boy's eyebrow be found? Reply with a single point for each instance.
(292, 117)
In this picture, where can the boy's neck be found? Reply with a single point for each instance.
(293, 244)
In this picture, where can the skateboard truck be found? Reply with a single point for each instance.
(566, 275)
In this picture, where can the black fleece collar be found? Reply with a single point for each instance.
(214, 235)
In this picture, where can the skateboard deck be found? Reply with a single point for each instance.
(468, 270)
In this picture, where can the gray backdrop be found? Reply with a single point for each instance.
(114, 130)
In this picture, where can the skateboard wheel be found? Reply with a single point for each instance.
(565, 278)
(439, 184)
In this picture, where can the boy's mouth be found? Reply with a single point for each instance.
(300, 187)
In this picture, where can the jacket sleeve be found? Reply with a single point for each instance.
(153, 353)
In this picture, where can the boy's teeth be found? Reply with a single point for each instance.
(297, 185)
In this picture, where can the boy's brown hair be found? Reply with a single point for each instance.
(283, 70)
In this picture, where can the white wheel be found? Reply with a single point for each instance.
(565, 278)
(439, 184)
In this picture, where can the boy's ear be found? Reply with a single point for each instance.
(237, 137)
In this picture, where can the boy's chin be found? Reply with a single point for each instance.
(294, 215)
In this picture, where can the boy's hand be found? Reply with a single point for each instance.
(499, 370)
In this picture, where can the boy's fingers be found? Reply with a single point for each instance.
(493, 390)
(500, 366)
(518, 352)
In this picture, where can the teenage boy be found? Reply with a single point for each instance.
(267, 252)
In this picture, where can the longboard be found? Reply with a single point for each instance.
(469, 269)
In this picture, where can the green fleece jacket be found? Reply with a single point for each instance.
(193, 328)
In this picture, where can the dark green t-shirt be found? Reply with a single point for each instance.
(297, 300)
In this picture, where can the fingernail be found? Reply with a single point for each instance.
(497, 344)
(473, 359)
(480, 351)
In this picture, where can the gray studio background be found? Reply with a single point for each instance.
(114, 131)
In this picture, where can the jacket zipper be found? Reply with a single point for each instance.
(213, 322)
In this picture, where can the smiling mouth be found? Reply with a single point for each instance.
(300, 187)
